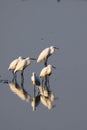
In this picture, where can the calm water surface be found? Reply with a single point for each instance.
(27, 27)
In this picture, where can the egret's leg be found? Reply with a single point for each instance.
(45, 63)
(38, 91)
(42, 81)
(48, 84)
(22, 76)
(22, 82)
(14, 76)
(22, 73)
(45, 82)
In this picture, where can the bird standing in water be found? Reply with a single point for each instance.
(35, 81)
(45, 73)
(43, 56)
(13, 65)
(22, 64)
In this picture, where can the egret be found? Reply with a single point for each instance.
(22, 64)
(45, 72)
(35, 102)
(35, 81)
(43, 56)
(14, 63)
(19, 91)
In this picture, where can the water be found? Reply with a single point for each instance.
(26, 28)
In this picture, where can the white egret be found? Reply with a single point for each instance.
(14, 63)
(45, 72)
(35, 102)
(35, 81)
(43, 56)
(22, 64)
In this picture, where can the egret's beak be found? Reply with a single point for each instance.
(33, 58)
(53, 67)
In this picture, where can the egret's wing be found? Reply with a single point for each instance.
(20, 65)
(43, 55)
(43, 72)
(13, 64)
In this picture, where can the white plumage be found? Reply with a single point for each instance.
(22, 64)
(35, 79)
(14, 63)
(46, 71)
(43, 56)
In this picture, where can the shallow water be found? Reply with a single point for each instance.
(26, 28)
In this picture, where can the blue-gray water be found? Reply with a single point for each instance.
(27, 27)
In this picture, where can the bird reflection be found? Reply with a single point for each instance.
(35, 102)
(43, 91)
(52, 96)
(19, 91)
(46, 102)
(47, 97)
